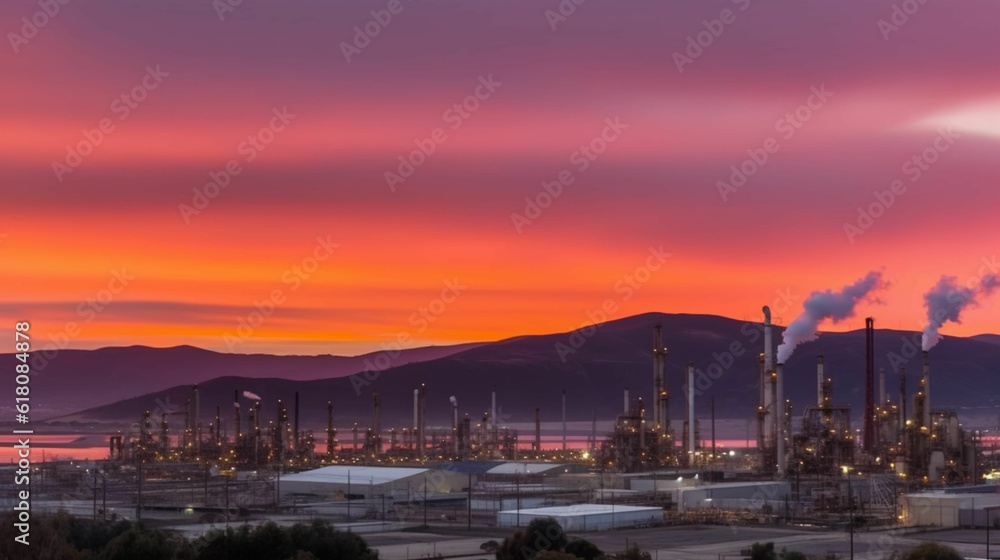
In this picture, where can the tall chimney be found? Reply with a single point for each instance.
(376, 422)
(454, 423)
(882, 397)
(927, 391)
(538, 430)
(218, 425)
(564, 419)
(236, 417)
(493, 412)
(819, 380)
(421, 434)
(761, 409)
(330, 445)
(768, 406)
(416, 409)
(661, 420)
(642, 425)
(768, 346)
(195, 417)
(295, 430)
(869, 425)
(902, 405)
(691, 435)
(626, 400)
(779, 412)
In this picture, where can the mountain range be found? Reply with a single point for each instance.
(593, 366)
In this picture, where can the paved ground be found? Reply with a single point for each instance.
(699, 542)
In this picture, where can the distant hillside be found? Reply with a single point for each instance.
(77, 379)
(529, 373)
(991, 338)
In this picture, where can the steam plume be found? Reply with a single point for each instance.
(946, 300)
(826, 305)
(250, 395)
(454, 401)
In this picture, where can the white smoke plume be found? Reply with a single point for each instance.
(250, 395)
(826, 305)
(454, 401)
(946, 300)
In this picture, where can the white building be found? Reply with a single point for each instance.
(584, 517)
(337, 481)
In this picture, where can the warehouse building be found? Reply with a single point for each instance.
(952, 509)
(400, 483)
(585, 517)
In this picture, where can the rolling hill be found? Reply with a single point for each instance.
(530, 372)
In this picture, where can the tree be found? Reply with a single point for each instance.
(583, 549)
(554, 555)
(489, 546)
(140, 543)
(764, 551)
(543, 533)
(793, 555)
(931, 551)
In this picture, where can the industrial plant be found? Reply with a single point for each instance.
(807, 463)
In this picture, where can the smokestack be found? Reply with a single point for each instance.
(902, 405)
(218, 424)
(376, 422)
(642, 425)
(819, 380)
(416, 409)
(236, 417)
(882, 396)
(329, 429)
(780, 417)
(768, 344)
(660, 416)
(869, 426)
(626, 400)
(423, 420)
(564, 419)
(296, 429)
(538, 430)
(454, 422)
(927, 391)
(690, 390)
(195, 415)
(493, 412)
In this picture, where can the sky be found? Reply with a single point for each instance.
(229, 175)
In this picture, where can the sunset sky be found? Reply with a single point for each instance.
(114, 229)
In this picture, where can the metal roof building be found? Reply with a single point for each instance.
(585, 517)
(337, 481)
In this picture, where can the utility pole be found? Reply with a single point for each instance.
(469, 527)
(850, 509)
(425, 500)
